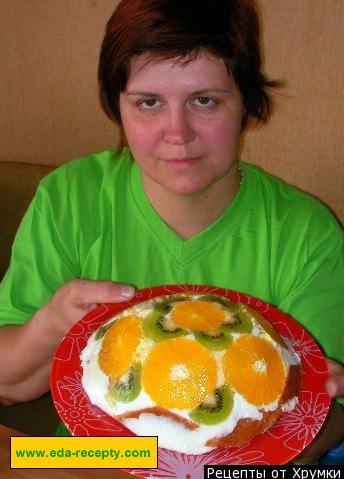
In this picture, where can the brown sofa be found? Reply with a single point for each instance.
(18, 182)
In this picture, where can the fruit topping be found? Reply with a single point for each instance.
(120, 342)
(255, 369)
(160, 327)
(128, 387)
(179, 373)
(215, 408)
(215, 341)
(198, 315)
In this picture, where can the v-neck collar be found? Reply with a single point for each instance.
(184, 250)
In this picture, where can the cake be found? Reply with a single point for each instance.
(198, 371)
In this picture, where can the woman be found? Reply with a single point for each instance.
(177, 206)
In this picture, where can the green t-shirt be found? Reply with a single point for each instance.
(91, 219)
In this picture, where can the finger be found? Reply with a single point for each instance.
(334, 367)
(85, 292)
(334, 386)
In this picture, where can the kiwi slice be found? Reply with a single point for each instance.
(216, 407)
(166, 305)
(102, 330)
(128, 387)
(163, 307)
(239, 322)
(214, 340)
(159, 327)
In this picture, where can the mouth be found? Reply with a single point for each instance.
(183, 163)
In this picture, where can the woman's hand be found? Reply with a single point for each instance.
(28, 350)
(332, 433)
(75, 299)
(335, 384)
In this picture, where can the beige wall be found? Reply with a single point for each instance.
(48, 88)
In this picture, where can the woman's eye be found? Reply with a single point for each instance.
(149, 104)
(204, 101)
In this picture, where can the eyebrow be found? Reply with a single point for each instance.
(197, 92)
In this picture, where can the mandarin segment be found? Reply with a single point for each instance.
(198, 315)
(255, 369)
(179, 373)
(119, 345)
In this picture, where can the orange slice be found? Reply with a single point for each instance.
(255, 369)
(119, 346)
(198, 315)
(179, 373)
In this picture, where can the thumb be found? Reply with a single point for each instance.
(335, 385)
(86, 293)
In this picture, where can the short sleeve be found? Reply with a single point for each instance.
(316, 299)
(40, 261)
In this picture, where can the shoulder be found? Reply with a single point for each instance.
(88, 173)
(290, 207)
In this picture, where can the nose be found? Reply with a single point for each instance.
(178, 129)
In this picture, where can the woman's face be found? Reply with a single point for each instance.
(182, 122)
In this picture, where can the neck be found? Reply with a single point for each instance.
(188, 215)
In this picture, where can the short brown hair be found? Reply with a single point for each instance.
(229, 29)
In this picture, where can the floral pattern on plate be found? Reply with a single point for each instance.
(279, 445)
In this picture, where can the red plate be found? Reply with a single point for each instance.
(292, 433)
